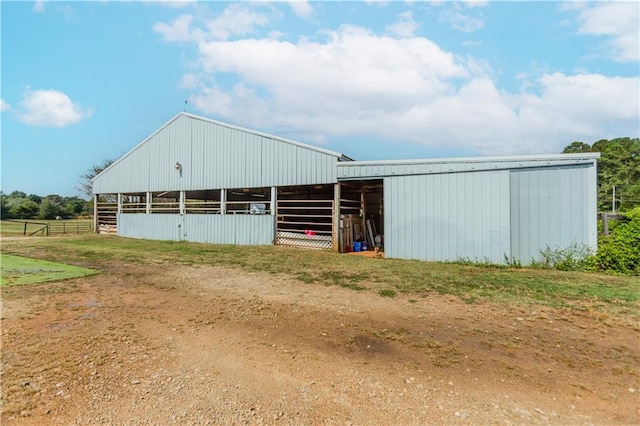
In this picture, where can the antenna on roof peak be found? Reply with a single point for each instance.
(185, 105)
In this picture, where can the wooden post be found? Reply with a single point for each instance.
(119, 203)
(148, 202)
(605, 223)
(274, 214)
(274, 200)
(335, 234)
(95, 213)
(223, 201)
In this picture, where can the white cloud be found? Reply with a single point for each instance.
(405, 25)
(4, 106)
(38, 6)
(302, 8)
(403, 89)
(620, 21)
(178, 30)
(461, 21)
(235, 20)
(475, 3)
(172, 4)
(50, 108)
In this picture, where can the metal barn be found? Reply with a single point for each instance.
(201, 180)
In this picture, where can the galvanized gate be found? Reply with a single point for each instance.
(304, 223)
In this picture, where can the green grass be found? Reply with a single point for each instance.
(414, 279)
(17, 270)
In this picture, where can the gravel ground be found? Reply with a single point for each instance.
(170, 344)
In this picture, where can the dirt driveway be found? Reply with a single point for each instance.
(203, 345)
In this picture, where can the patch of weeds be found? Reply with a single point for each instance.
(468, 300)
(572, 258)
(387, 293)
(413, 301)
(306, 278)
(342, 279)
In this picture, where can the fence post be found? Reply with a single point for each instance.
(25, 228)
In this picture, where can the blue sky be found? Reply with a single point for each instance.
(87, 81)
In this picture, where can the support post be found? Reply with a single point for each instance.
(274, 200)
(119, 203)
(95, 213)
(605, 223)
(182, 202)
(223, 201)
(148, 199)
(335, 228)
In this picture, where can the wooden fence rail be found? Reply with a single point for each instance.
(51, 228)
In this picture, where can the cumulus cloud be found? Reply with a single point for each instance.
(236, 20)
(405, 25)
(461, 21)
(50, 108)
(302, 8)
(4, 106)
(460, 15)
(620, 22)
(178, 30)
(403, 88)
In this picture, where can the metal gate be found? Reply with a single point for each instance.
(305, 223)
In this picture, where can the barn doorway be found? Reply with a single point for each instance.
(361, 216)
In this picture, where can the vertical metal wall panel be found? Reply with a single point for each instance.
(152, 226)
(214, 229)
(552, 207)
(442, 218)
(229, 229)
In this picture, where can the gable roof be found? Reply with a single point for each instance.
(339, 156)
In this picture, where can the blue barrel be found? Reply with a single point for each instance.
(357, 245)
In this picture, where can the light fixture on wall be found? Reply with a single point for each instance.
(178, 166)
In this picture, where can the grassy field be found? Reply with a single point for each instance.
(21, 270)
(16, 229)
(388, 277)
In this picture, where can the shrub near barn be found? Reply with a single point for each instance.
(620, 250)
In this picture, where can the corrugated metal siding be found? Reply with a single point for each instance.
(214, 229)
(214, 156)
(152, 227)
(376, 170)
(552, 207)
(242, 230)
(448, 217)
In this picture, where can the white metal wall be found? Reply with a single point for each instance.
(215, 156)
(552, 207)
(448, 217)
(214, 229)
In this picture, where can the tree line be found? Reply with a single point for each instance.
(619, 168)
(18, 205)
